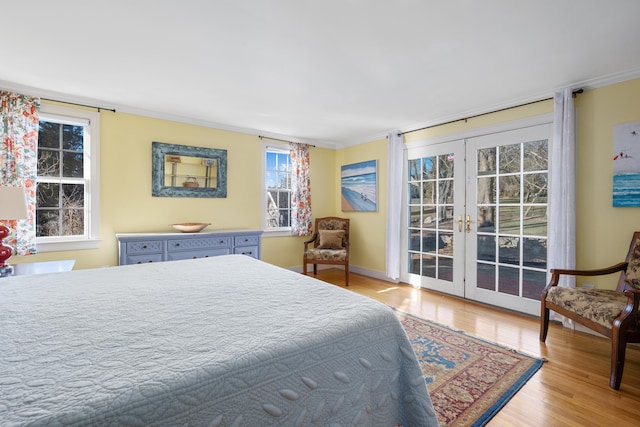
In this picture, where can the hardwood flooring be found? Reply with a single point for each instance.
(571, 388)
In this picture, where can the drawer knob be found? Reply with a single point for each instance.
(144, 246)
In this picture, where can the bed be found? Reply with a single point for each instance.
(221, 341)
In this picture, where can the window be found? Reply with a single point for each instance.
(277, 206)
(67, 196)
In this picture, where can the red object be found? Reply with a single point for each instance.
(5, 251)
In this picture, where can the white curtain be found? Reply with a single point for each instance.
(562, 187)
(394, 203)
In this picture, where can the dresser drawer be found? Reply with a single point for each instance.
(205, 253)
(144, 247)
(195, 244)
(246, 240)
(143, 259)
(251, 251)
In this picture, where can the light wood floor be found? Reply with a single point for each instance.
(571, 388)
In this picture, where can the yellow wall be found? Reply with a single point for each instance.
(126, 203)
(367, 229)
(603, 232)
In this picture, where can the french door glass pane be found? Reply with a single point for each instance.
(431, 221)
(512, 192)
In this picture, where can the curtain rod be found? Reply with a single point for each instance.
(575, 92)
(284, 140)
(113, 110)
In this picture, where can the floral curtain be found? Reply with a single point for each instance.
(300, 190)
(18, 159)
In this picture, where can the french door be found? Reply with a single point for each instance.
(476, 217)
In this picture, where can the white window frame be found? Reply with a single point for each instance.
(91, 238)
(269, 231)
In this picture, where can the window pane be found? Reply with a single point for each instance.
(428, 241)
(47, 222)
(428, 265)
(73, 166)
(414, 240)
(486, 219)
(535, 156)
(73, 222)
(445, 243)
(428, 192)
(487, 161)
(284, 200)
(509, 220)
(414, 216)
(487, 248)
(73, 137)
(509, 250)
(445, 269)
(534, 253)
(271, 179)
(533, 282)
(445, 193)
(48, 163)
(428, 170)
(414, 263)
(445, 219)
(428, 216)
(414, 170)
(72, 195)
(414, 193)
(535, 188)
(510, 158)
(48, 135)
(486, 190)
(48, 195)
(509, 280)
(535, 221)
(445, 166)
(510, 189)
(486, 276)
(284, 218)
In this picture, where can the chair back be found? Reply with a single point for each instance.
(630, 278)
(334, 223)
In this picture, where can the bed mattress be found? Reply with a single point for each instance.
(222, 341)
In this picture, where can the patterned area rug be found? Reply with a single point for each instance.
(469, 379)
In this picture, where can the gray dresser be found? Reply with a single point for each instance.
(138, 248)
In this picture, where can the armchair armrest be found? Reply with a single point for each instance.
(556, 272)
(313, 238)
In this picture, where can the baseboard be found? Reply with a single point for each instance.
(353, 268)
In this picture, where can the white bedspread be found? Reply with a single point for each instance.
(222, 341)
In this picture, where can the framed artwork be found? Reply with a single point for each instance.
(359, 186)
(626, 165)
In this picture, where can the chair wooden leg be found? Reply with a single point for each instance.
(315, 269)
(346, 275)
(618, 352)
(304, 266)
(544, 322)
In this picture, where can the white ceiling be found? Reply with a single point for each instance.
(331, 72)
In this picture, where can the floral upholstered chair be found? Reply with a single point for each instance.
(330, 242)
(613, 313)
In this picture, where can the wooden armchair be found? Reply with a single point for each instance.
(330, 242)
(613, 313)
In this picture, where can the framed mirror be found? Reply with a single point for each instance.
(186, 171)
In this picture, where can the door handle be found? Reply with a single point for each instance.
(460, 223)
(468, 223)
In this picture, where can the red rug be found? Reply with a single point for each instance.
(469, 379)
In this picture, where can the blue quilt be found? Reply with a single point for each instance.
(222, 341)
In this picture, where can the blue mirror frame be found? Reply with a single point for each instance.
(161, 149)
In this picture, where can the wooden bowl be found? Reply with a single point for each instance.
(191, 227)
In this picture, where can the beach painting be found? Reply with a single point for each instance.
(359, 182)
(626, 165)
